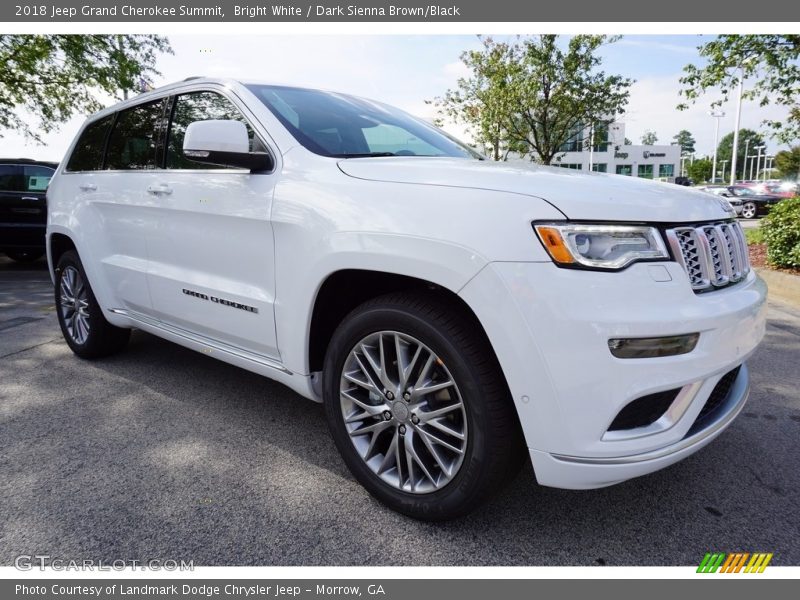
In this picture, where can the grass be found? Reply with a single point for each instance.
(754, 236)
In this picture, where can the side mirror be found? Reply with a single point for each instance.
(223, 143)
(726, 195)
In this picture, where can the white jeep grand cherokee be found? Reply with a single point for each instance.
(448, 311)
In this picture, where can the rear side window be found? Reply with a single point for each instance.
(88, 152)
(10, 178)
(36, 178)
(200, 106)
(134, 139)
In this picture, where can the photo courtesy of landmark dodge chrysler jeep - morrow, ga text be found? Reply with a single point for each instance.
(454, 315)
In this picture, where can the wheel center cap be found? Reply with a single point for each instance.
(400, 411)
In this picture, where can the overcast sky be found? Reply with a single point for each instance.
(406, 70)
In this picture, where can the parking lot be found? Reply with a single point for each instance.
(163, 453)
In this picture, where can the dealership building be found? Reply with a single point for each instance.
(611, 154)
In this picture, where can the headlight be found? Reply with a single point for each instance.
(601, 246)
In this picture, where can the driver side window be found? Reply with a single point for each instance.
(201, 106)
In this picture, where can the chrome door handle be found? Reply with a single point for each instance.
(159, 189)
(29, 198)
(88, 187)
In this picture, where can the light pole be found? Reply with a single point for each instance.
(717, 114)
(744, 166)
(724, 162)
(736, 127)
(758, 158)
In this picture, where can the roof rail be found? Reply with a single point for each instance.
(194, 77)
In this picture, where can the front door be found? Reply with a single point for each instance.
(211, 254)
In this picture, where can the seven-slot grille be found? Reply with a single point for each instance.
(713, 255)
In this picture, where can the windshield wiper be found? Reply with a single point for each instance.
(363, 154)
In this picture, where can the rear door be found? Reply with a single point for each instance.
(211, 251)
(23, 209)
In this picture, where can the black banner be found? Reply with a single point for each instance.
(398, 11)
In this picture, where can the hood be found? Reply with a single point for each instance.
(586, 196)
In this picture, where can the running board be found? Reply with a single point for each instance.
(201, 340)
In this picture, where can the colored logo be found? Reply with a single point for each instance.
(735, 562)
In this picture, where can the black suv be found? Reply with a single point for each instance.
(23, 207)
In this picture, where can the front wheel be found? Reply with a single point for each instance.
(749, 210)
(83, 325)
(418, 407)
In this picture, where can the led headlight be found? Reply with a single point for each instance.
(601, 246)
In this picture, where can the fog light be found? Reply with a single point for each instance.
(653, 347)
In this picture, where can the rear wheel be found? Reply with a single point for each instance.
(749, 210)
(25, 256)
(418, 407)
(83, 325)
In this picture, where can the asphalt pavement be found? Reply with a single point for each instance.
(163, 453)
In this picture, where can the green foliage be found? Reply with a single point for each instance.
(769, 64)
(649, 138)
(699, 170)
(54, 77)
(754, 235)
(530, 96)
(781, 229)
(685, 140)
(748, 140)
(628, 142)
(788, 163)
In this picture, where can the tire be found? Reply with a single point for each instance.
(491, 446)
(25, 256)
(749, 210)
(83, 325)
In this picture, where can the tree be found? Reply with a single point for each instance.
(748, 140)
(700, 170)
(770, 65)
(788, 163)
(54, 77)
(649, 138)
(533, 96)
(628, 142)
(685, 140)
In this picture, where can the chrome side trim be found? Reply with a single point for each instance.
(734, 405)
(668, 420)
(202, 340)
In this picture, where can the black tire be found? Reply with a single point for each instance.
(25, 256)
(494, 448)
(102, 338)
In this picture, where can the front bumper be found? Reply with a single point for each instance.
(550, 329)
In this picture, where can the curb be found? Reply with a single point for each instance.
(783, 287)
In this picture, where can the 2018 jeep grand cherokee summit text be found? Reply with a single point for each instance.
(449, 312)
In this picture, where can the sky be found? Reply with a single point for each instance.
(406, 70)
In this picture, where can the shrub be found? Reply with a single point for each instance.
(781, 229)
(754, 236)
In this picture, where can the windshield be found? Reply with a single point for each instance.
(744, 192)
(343, 126)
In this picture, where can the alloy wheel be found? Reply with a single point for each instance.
(74, 305)
(749, 210)
(403, 412)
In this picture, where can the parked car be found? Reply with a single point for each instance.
(23, 208)
(455, 316)
(723, 192)
(750, 203)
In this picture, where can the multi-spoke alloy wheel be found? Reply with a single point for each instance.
(74, 305)
(749, 210)
(85, 329)
(418, 407)
(403, 412)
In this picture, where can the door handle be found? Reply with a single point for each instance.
(159, 189)
(29, 198)
(88, 187)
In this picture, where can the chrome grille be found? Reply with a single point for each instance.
(713, 255)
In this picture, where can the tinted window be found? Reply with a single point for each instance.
(339, 125)
(10, 178)
(88, 152)
(36, 178)
(134, 139)
(200, 106)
